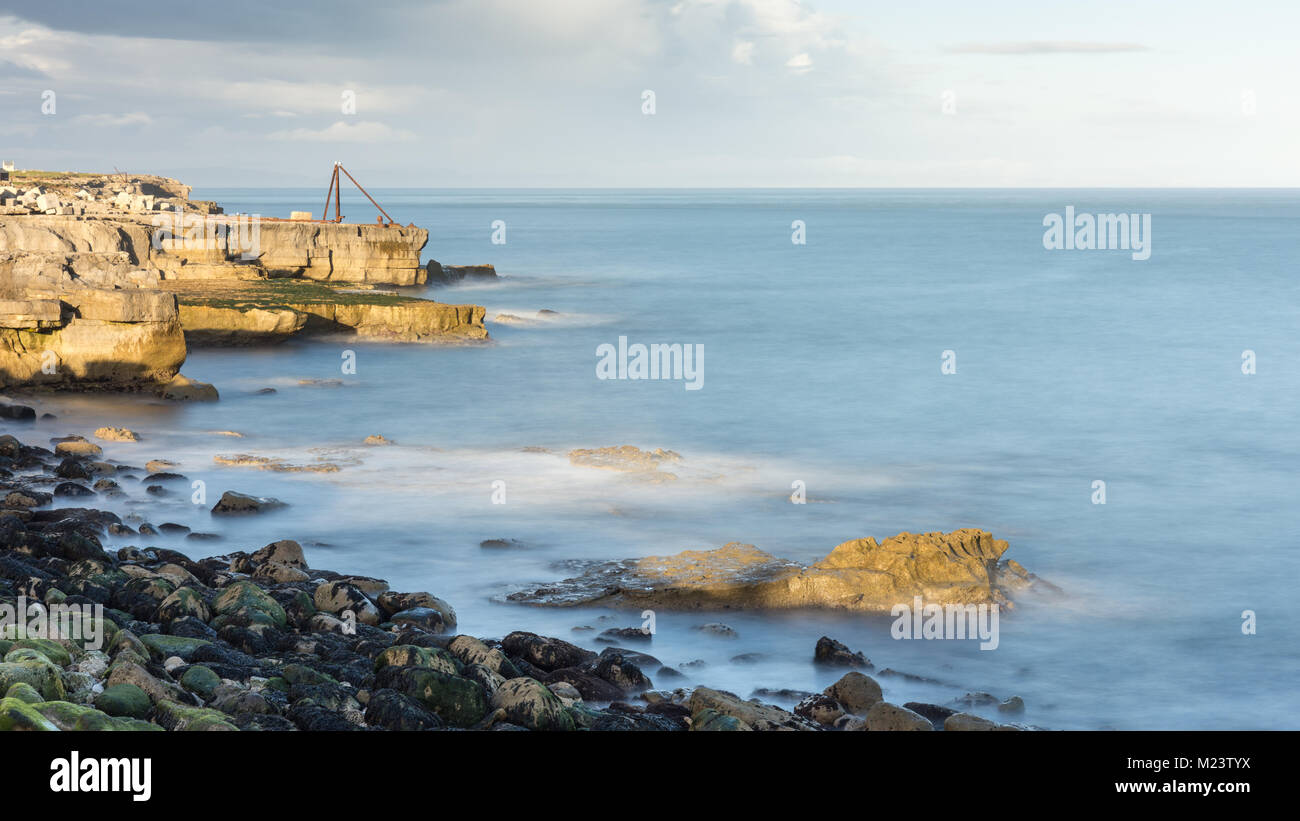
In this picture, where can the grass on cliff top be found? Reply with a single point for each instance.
(55, 175)
(285, 293)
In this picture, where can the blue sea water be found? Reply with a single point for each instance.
(822, 366)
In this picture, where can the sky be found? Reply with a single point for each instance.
(746, 93)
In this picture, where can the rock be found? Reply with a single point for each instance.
(72, 468)
(395, 711)
(565, 692)
(614, 634)
(755, 715)
(961, 567)
(183, 602)
(17, 413)
(51, 649)
(529, 703)
(284, 552)
(977, 700)
(24, 692)
(1015, 704)
(183, 389)
(588, 685)
(457, 701)
(549, 654)
(72, 489)
(622, 673)
(164, 646)
(116, 435)
(178, 717)
(890, 717)
(245, 600)
(856, 692)
(376, 439)
(834, 654)
(19, 715)
(391, 603)
(710, 720)
(438, 274)
(240, 503)
(423, 617)
(627, 458)
(124, 700)
(966, 722)
(42, 676)
(280, 573)
(502, 544)
(489, 680)
(472, 651)
(338, 597)
(406, 655)
(820, 708)
(717, 628)
(934, 712)
(78, 447)
(201, 681)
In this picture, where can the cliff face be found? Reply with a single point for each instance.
(230, 247)
(59, 329)
(387, 255)
(103, 279)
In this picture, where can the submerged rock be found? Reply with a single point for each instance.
(961, 567)
(232, 502)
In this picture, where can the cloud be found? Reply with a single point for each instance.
(742, 53)
(10, 70)
(800, 63)
(1045, 47)
(113, 120)
(362, 132)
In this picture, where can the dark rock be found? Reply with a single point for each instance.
(622, 674)
(934, 712)
(395, 711)
(626, 633)
(590, 686)
(232, 503)
(72, 489)
(834, 654)
(308, 715)
(17, 413)
(545, 653)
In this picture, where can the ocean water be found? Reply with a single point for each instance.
(822, 366)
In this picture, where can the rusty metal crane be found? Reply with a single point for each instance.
(335, 192)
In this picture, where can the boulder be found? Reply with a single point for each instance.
(961, 567)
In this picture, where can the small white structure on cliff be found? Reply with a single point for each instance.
(6, 168)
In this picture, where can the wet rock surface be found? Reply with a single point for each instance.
(959, 568)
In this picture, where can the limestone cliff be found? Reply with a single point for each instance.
(59, 329)
(104, 278)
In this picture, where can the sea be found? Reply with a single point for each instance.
(896, 360)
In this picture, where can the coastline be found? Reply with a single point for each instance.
(258, 639)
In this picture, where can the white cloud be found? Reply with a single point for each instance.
(1045, 47)
(800, 63)
(742, 53)
(113, 120)
(362, 132)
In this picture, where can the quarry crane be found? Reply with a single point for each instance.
(335, 192)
